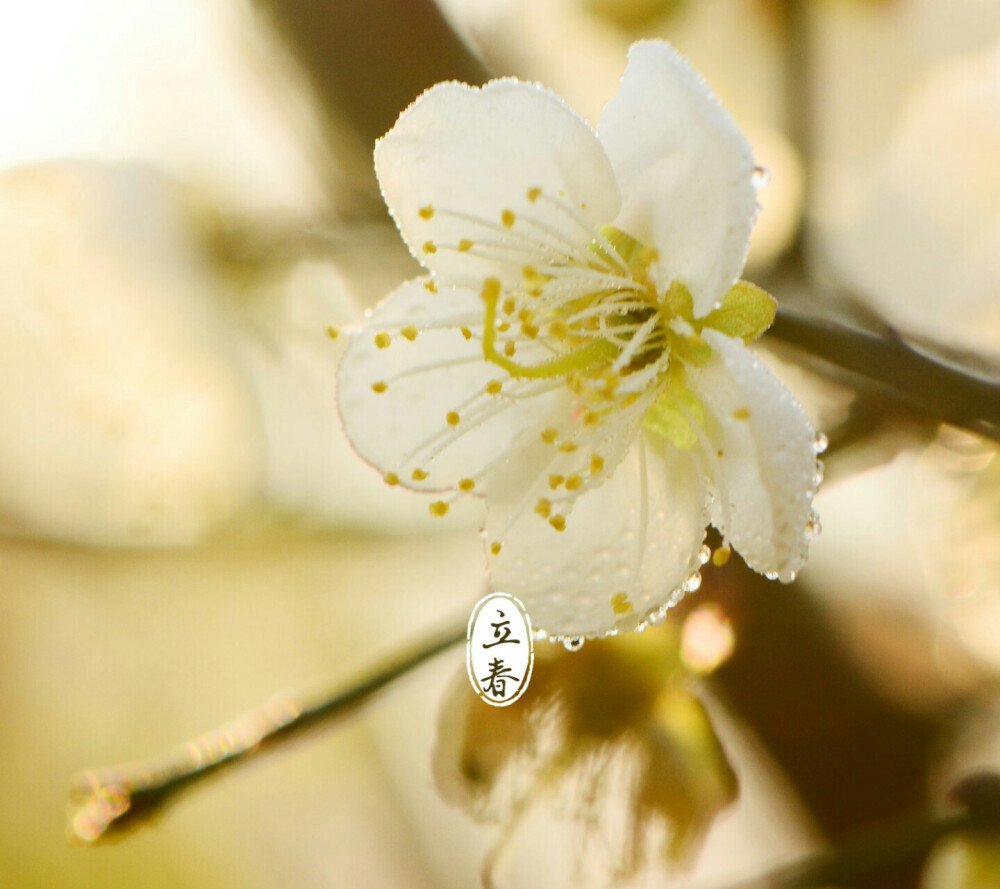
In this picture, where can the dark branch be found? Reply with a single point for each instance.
(926, 384)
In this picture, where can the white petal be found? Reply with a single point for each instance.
(405, 428)
(467, 158)
(764, 461)
(685, 172)
(638, 534)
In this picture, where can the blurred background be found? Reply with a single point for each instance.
(187, 205)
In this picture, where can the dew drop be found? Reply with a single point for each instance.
(760, 177)
(573, 643)
(704, 554)
(691, 583)
(792, 575)
(658, 617)
(819, 473)
(821, 443)
(771, 575)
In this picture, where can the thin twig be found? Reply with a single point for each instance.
(108, 801)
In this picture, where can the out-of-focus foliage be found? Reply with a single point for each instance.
(611, 736)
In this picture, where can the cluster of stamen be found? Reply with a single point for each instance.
(581, 311)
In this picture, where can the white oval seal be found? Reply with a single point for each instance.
(499, 649)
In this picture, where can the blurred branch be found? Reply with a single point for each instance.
(884, 848)
(110, 801)
(872, 854)
(367, 60)
(944, 392)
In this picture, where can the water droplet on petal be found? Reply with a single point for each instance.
(691, 583)
(819, 473)
(821, 443)
(573, 643)
(771, 575)
(704, 554)
(760, 177)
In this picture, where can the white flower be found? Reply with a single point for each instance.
(576, 354)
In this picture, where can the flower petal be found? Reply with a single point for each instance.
(484, 181)
(625, 549)
(418, 400)
(685, 172)
(763, 468)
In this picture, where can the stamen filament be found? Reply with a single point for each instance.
(593, 352)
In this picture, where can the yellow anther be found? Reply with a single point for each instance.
(465, 245)
(508, 350)
(379, 387)
(509, 304)
(466, 484)
(574, 483)
(495, 548)
(418, 475)
(567, 447)
(591, 418)
(535, 292)
(550, 435)
(466, 332)
(558, 329)
(391, 478)
(544, 507)
(558, 522)
(525, 314)
(529, 272)
(439, 508)
(503, 327)
(452, 418)
(720, 453)
(596, 464)
(555, 480)
(410, 332)
(493, 387)
(508, 218)
(741, 413)
(529, 330)
(430, 285)
(382, 340)
(534, 194)
(620, 604)
(721, 555)
(429, 247)
(332, 332)
(426, 212)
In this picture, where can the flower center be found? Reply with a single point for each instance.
(600, 324)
